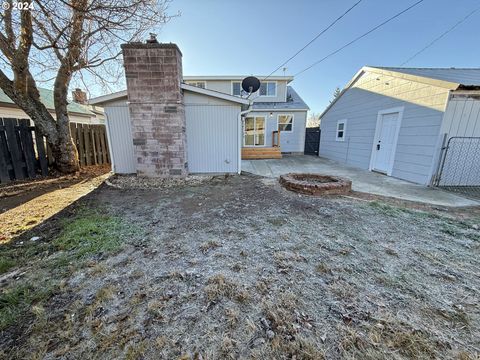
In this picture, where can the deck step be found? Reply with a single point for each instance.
(261, 153)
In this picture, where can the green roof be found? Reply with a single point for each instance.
(46, 96)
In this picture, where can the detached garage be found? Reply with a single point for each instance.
(420, 125)
(162, 127)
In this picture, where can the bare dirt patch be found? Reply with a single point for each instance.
(241, 268)
(24, 204)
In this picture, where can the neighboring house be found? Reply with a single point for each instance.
(78, 113)
(276, 108)
(410, 123)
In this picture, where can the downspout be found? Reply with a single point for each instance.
(240, 134)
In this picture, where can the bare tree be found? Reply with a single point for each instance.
(62, 40)
(336, 93)
(313, 120)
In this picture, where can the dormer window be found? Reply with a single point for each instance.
(200, 84)
(268, 88)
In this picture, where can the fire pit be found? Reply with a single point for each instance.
(315, 184)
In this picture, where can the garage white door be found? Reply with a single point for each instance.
(212, 138)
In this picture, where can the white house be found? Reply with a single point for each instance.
(416, 124)
(166, 124)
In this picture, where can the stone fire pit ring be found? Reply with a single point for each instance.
(315, 184)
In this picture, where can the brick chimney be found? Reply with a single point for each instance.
(157, 111)
(79, 96)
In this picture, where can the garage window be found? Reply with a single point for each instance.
(341, 130)
(285, 123)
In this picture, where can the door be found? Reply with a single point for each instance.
(385, 142)
(254, 131)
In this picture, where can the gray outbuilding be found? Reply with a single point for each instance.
(416, 124)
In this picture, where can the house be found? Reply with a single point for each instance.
(165, 124)
(416, 124)
(78, 112)
(278, 118)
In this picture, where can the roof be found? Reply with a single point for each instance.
(235, 77)
(449, 78)
(102, 100)
(294, 102)
(461, 76)
(46, 97)
(216, 94)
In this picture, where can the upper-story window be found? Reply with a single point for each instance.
(236, 88)
(200, 84)
(268, 88)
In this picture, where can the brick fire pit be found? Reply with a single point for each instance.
(315, 184)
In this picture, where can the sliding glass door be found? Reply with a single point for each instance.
(254, 131)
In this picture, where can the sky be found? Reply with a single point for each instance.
(246, 37)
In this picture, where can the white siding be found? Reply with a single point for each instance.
(293, 141)
(120, 139)
(225, 86)
(462, 117)
(212, 138)
(420, 128)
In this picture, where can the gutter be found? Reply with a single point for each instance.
(240, 134)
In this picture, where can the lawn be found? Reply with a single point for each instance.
(237, 267)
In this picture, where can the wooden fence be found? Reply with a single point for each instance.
(24, 153)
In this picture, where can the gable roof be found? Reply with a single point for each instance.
(294, 102)
(236, 77)
(46, 97)
(104, 99)
(461, 76)
(449, 78)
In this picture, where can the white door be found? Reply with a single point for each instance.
(385, 142)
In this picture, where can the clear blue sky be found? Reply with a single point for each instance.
(220, 37)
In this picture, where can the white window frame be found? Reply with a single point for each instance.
(254, 125)
(344, 122)
(293, 122)
(373, 154)
(195, 83)
(276, 89)
(231, 87)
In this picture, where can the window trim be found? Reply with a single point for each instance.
(293, 122)
(269, 96)
(195, 82)
(344, 122)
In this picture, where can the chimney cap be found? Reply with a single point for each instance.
(153, 39)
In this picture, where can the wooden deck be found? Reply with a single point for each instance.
(252, 153)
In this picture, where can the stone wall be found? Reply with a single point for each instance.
(157, 112)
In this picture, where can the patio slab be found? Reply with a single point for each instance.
(362, 180)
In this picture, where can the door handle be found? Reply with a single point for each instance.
(378, 146)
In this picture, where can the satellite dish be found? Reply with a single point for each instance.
(250, 84)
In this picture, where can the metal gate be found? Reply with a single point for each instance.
(460, 166)
(312, 141)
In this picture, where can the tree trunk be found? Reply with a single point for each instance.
(65, 152)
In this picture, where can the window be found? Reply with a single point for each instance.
(254, 131)
(236, 88)
(341, 129)
(285, 122)
(268, 88)
(200, 84)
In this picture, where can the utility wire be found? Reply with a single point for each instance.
(359, 37)
(315, 38)
(440, 37)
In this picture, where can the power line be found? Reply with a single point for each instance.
(359, 37)
(440, 37)
(315, 38)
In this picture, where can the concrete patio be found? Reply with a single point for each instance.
(362, 180)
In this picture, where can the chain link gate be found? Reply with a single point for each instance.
(460, 166)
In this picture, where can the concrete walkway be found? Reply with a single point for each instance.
(362, 180)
